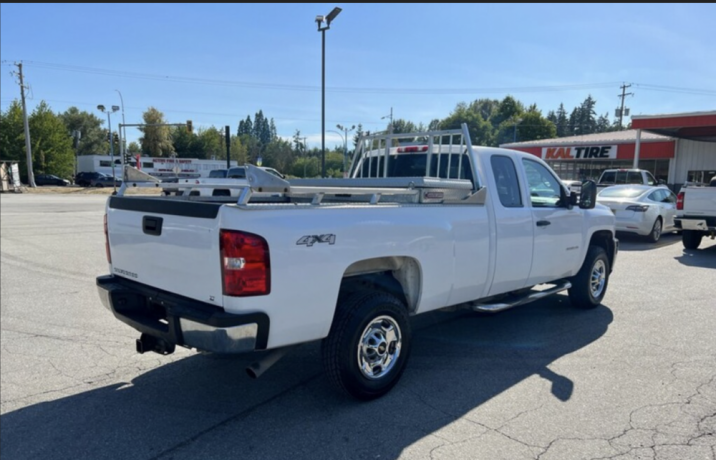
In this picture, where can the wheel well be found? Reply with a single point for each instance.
(605, 240)
(399, 276)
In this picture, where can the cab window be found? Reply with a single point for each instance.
(508, 187)
(545, 189)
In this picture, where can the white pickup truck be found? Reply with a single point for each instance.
(627, 176)
(696, 213)
(348, 261)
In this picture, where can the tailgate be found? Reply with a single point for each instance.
(167, 244)
(700, 201)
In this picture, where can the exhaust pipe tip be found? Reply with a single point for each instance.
(256, 369)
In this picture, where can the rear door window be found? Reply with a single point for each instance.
(508, 187)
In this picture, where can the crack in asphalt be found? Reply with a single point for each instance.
(234, 417)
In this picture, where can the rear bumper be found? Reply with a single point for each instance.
(180, 320)
(705, 224)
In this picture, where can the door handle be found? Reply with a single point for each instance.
(543, 223)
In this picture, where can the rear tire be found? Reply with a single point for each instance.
(656, 231)
(368, 346)
(691, 238)
(590, 285)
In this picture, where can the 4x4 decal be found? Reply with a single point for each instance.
(310, 240)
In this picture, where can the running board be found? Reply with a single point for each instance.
(529, 297)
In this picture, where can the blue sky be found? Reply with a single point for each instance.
(217, 63)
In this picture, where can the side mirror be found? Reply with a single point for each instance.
(588, 195)
(661, 182)
(573, 198)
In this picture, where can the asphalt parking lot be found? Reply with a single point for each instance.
(633, 379)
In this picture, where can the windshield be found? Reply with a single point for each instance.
(217, 173)
(237, 173)
(612, 192)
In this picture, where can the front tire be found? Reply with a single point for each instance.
(590, 285)
(368, 346)
(691, 238)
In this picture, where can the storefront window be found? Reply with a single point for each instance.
(700, 177)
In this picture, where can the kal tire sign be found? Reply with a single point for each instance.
(593, 152)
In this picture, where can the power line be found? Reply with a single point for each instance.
(290, 87)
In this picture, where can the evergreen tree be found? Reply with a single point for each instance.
(562, 122)
(52, 151)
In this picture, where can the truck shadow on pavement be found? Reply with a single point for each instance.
(205, 406)
(704, 257)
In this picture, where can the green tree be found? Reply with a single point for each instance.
(134, 148)
(561, 122)
(334, 164)
(306, 167)
(238, 150)
(52, 151)
(479, 129)
(401, 126)
(12, 137)
(246, 127)
(183, 140)
(279, 155)
(588, 116)
(574, 126)
(253, 147)
(94, 137)
(487, 108)
(156, 140)
(603, 124)
(211, 142)
(509, 108)
(534, 127)
(297, 140)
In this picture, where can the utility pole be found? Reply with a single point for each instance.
(391, 119)
(28, 147)
(227, 136)
(305, 156)
(621, 110)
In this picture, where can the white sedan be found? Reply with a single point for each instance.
(642, 209)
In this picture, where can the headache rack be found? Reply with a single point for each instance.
(441, 162)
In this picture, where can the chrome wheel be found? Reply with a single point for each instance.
(379, 347)
(656, 231)
(598, 279)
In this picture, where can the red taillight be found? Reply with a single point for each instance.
(245, 264)
(413, 148)
(680, 201)
(106, 240)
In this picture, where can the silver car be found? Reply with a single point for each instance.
(642, 209)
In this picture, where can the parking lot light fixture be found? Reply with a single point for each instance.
(320, 21)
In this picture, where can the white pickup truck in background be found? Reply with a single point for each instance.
(696, 213)
(435, 224)
(627, 176)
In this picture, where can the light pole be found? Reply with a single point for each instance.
(319, 21)
(111, 143)
(345, 147)
(122, 134)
